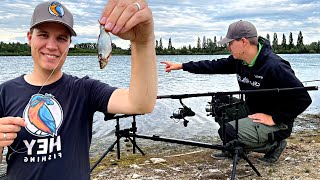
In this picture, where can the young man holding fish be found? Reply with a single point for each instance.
(266, 119)
(46, 116)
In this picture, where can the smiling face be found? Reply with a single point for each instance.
(49, 44)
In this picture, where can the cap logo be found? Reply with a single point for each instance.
(56, 9)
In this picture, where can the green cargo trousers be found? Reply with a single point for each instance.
(254, 136)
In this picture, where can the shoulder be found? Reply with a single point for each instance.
(83, 82)
(12, 82)
(278, 66)
(278, 61)
(269, 57)
(71, 79)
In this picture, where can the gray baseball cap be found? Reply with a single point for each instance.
(238, 30)
(52, 12)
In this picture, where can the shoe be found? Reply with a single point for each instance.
(274, 154)
(222, 155)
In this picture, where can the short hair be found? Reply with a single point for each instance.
(253, 40)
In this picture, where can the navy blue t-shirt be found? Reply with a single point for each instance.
(55, 144)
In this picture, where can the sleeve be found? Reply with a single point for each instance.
(293, 102)
(218, 66)
(100, 94)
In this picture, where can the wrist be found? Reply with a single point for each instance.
(150, 41)
(182, 66)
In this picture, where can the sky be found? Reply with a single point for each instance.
(181, 20)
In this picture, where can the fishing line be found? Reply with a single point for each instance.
(19, 150)
(310, 81)
(53, 70)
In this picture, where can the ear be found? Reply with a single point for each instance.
(245, 41)
(29, 36)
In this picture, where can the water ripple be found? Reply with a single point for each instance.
(117, 74)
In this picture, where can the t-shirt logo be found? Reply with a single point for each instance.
(43, 115)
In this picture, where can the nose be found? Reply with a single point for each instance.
(52, 44)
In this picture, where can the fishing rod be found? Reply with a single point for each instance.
(274, 90)
(234, 146)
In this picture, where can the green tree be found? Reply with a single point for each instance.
(204, 43)
(284, 42)
(199, 43)
(160, 45)
(314, 47)
(300, 40)
(268, 37)
(291, 45)
(183, 50)
(275, 42)
(210, 45)
(170, 47)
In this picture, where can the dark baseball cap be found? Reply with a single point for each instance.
(52, 12)
(238, 30)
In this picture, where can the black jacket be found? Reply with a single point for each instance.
(269, 71)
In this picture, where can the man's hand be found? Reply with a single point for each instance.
(171, 66)
(132, 20)
(262, 118)
(9, 127)
(129, 19)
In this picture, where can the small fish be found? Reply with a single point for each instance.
(104, 47)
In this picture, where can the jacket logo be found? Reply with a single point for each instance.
(246, 80)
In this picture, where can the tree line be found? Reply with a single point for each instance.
(206, 46)
(209, 46)
(23, 49)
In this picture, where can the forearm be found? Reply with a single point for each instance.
(144, 76)
(221, 66)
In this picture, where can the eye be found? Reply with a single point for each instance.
(43, 35)
(63, 39)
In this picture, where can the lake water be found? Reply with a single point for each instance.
(306, 66)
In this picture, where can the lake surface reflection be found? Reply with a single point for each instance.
(306, 66)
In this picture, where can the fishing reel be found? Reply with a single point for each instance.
(181, 113)
(216, 105)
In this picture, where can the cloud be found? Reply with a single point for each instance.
(182, 20)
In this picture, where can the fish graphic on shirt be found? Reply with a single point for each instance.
(40, 115)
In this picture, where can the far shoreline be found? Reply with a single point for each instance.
(95, 54)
